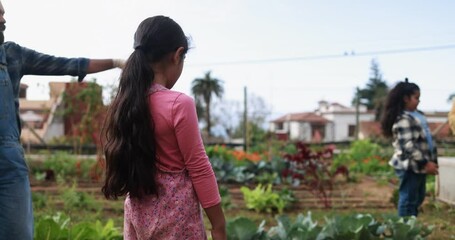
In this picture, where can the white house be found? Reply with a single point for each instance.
(329, 122)
(344, 119)
(335, 122)
(307, 126)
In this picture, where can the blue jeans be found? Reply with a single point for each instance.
(411, 192)
(16, 214)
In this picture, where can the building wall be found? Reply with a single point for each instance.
(342, 121)
(296, 131)
(329, 132)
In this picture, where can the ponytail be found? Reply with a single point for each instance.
(130, 147)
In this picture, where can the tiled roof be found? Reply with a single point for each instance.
(301, 117)
(373, 129)
(338, 105)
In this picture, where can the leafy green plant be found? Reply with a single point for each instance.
(404, 228)
(247, 172)
(302, 228)
(264, 199)
(39, 200)
(73, 199)
(67, 166)
(352, 227)
(395, 197)
(267, 178)
(430, 186)
(59, 227)
(241, 228)
(88, 230)
(365, 157)
(225, 197)
(52, 227)
(218, 151)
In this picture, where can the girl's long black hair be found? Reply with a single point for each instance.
(130, 144)
(394, 105)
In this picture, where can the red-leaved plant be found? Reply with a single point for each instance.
(312, 169)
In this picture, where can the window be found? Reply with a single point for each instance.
(279, 126)
(351, 130)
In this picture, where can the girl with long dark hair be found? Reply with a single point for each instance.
(414, 149)
(154, 152)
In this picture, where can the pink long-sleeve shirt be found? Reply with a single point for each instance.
(179, 143)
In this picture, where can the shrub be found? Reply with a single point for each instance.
(264, 199)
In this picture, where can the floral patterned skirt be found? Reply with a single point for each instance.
(174, 214)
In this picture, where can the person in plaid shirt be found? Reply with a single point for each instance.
(415, 153)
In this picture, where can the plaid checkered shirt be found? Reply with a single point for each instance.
(412, 151)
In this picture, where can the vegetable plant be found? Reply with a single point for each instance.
(264, 199)
(312, 169)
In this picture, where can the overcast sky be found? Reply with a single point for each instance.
(291, 53)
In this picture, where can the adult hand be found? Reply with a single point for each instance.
(118, 63)
(431, 168)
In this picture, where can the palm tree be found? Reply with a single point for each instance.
(203, 89)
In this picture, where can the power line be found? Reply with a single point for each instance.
(330, 56)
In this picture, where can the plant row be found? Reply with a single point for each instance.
(353, 227)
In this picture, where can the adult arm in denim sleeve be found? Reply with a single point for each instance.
(410, 151)
(36, 63)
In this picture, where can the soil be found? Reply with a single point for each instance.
(366, 193)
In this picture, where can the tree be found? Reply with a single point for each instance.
(258, 111)
(375, 91)
(83, 113)
(451, 97)
(203, 89)
(226, 115)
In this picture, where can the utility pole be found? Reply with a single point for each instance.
(357, 113)
(245, 120)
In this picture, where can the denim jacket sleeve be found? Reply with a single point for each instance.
(36, 63)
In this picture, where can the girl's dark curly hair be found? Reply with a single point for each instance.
(130, 145)
(394, 105)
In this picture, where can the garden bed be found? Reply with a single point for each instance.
(366, 193)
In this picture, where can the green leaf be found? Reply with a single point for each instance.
(241, 228)
(48, 229)
(84, 230)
